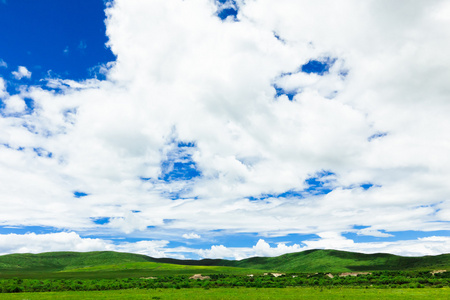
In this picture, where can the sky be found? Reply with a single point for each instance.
(225, 128)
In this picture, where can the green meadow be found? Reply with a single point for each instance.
(101, 265)
(315, 274)
(107, 263)
(242, 293)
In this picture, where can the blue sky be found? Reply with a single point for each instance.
(65, 38)
(224, 129)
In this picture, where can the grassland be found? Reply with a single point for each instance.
(57, 261)
(126, 270)
(242, 293)
(341, 261)
(106, 264)
(99, 265)
(163, 269)
(111, 274)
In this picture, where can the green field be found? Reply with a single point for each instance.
(342, 261)
(244, 293)
(126, 270)
(99, 265)
(315, 274)
(73, 264)
(160, 269)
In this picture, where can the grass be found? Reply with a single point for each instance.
(101, 265)
(111, 265)
(58, 261)
(163, 269)
(341, 261)
(107, 264)
(243, 293)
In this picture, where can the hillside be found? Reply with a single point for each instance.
(103, 264)
(58, 261)
(111, 264)
(341, 261)
(328, 261)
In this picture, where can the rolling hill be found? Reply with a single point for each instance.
(58, 261)
(103, 264)
(115, 264)
(341, 261)
(312, 261)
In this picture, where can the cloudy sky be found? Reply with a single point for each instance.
(225, 129)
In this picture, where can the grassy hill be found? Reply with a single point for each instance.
(107, 264)
(312, 261)
(58, 261)
(102, 264)
(341, 261)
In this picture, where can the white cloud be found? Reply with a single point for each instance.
(129, 223)
(14, 104)
(373, 232)
(191, 236)
(262, 248)
(21, 73)
(37, 243)
(419, 247)
(71, 241)
(3, 64)
(150, 248)
(218, 251)
(211, 83)
(3, 92)
(423, 246)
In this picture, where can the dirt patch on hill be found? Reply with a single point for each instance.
(353, 274)
(438, 271)
(199, 277)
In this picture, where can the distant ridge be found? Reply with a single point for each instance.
(301, 262)
(328, 261)
(342, 261)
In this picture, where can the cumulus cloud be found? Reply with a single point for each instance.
(150, 248)
(191, 236)
(128, 223)
(21, 73)
(3, 92)
(432, 245)
(14, 104)
(3, 64)
(71, 241)
(262, 248)
(37, 243)
(423, 246)
(219, 251)
(373, 232)
(263, 146)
